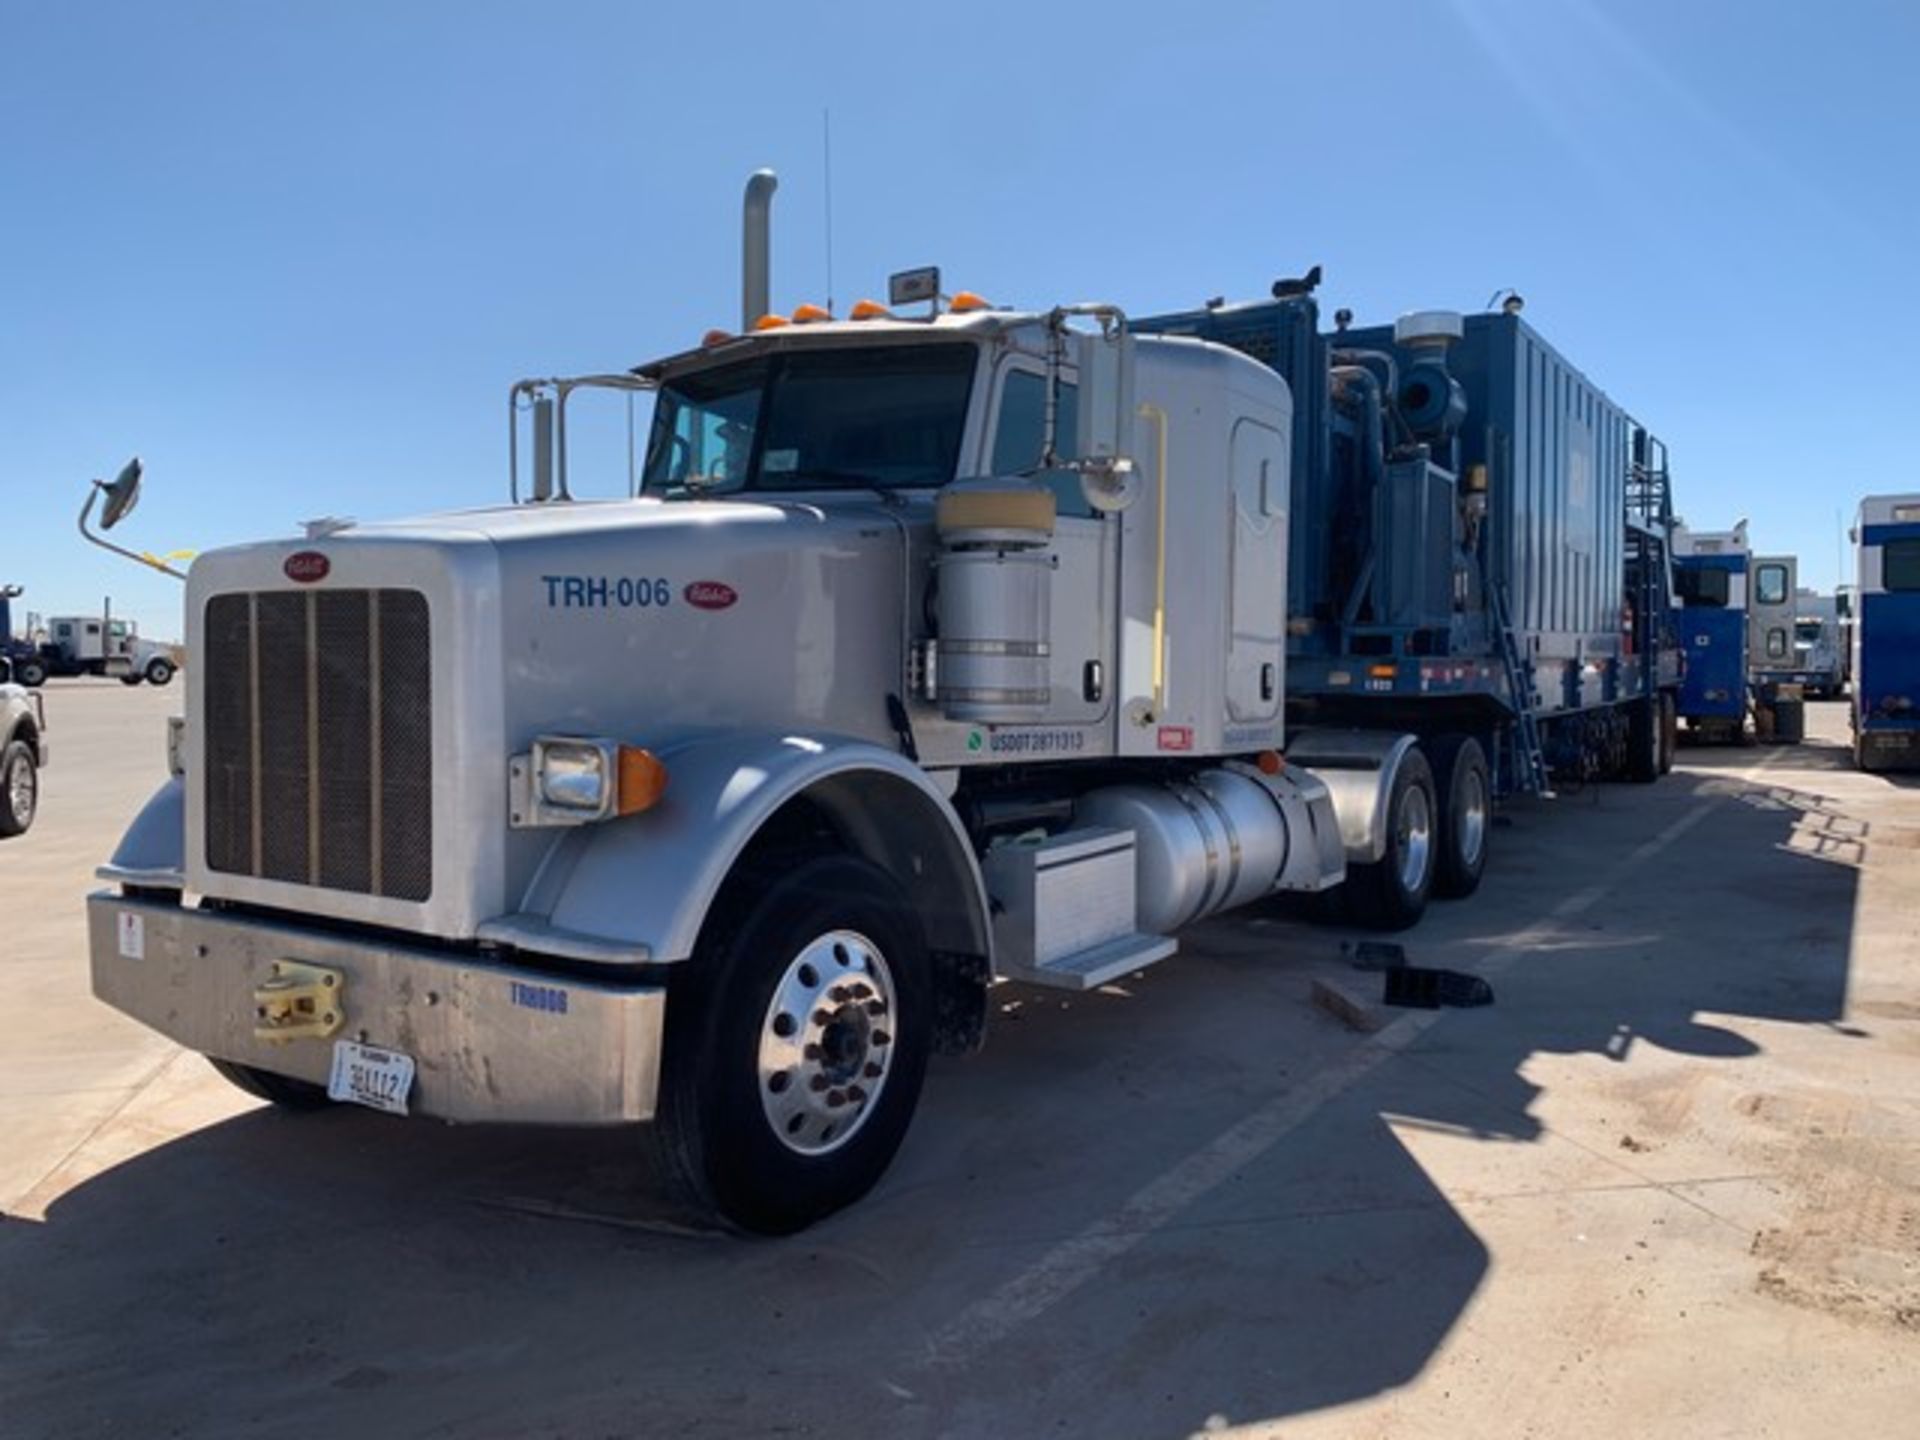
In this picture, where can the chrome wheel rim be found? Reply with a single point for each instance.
(20, 791)
(827, 1043)
(1415, 833)
(1473, 818)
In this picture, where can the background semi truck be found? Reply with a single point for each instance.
(69, 645)
(1711, 579)
(1886, 633)
(1819, 644)
(930, 649)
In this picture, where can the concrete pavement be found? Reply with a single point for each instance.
(1666, 1185)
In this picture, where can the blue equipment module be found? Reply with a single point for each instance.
(1445, 490)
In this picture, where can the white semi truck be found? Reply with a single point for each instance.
(929, 650)
(104, 645)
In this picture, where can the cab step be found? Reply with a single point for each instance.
(1090, 969)
(1064, 909)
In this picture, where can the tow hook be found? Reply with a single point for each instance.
(298, 1002)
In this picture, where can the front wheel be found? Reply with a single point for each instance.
(1391, 893)
(159, 671)
(31, 673)
(797, 1042)
(19, 788)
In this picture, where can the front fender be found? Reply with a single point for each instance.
(639, 889)
(153, 852)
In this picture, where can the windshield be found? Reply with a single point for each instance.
(1702, 587)
(1808, 630)
(873, 417)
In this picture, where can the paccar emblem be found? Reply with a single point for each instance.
(710, 594)
(307, 566)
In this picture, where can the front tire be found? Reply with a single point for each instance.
(1391, 893)
(19, 788)
(1466, 814)
(159, 671)
(282, 1091)
(797, 1043)
(31, 673)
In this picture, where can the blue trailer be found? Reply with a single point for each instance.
(1886, 633)
(1710, 577)
(1481, 541)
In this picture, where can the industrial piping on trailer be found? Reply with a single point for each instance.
(756, 261)
(1373, 447)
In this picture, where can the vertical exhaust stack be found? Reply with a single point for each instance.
(756, 260)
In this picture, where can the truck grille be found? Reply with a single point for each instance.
(319, 739)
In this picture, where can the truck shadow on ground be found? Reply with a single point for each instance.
(1190, 1196)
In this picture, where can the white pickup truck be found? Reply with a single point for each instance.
(23, 750)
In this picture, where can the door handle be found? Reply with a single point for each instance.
(1093, 682)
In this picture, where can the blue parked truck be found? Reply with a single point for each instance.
(1711, 573)
(1886, 633)
(1480, 558)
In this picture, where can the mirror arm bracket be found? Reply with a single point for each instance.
(86, 511)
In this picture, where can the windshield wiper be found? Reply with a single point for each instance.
(805, 479)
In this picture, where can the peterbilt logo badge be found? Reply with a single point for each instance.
(710, 594)
(306, 566)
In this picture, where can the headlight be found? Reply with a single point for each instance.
(571, 780)
(575, 775)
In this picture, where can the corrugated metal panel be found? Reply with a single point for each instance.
(1557, 452)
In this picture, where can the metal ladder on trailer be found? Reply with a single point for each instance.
(1649, 489)
(1532, 763)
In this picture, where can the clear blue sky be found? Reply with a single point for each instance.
(293, 254)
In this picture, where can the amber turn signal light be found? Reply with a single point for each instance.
(643, 780)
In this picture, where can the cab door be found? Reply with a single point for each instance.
(1770, 616)
(1257, 588)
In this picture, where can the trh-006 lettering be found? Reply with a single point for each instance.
(607, 592)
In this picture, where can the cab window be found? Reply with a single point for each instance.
(1770, 585)
(1900, 565)
(1021, 432)
(1702, 587)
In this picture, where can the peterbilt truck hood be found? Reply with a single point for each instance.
(649, 622)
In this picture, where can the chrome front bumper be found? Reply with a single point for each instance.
(491, 1042)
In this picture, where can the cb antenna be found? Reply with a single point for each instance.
(826, 159)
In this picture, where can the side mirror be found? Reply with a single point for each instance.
(1110, 484)
(122, 495)
(116, 499)
(1106, 393)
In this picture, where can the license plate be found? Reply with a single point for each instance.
(364, 1075)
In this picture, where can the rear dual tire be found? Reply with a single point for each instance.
(1646, 741)
(1465, 784)
(1391, 893)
